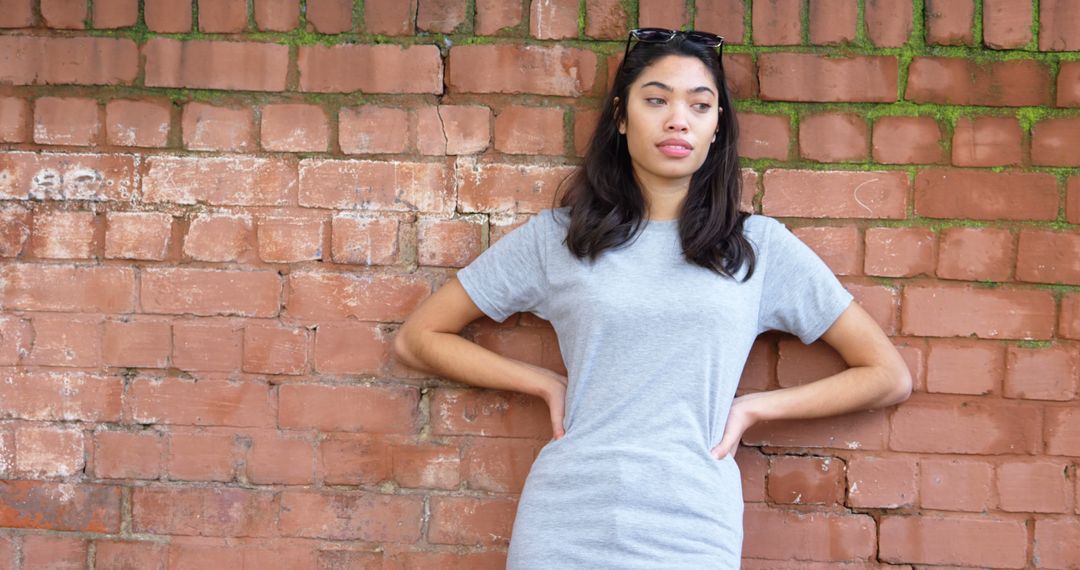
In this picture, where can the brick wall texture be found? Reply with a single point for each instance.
(215, 214)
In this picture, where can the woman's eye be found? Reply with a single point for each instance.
(651, 99)
(705, 106)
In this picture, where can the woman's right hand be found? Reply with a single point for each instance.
(554, 394)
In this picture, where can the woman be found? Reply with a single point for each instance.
(656, 286)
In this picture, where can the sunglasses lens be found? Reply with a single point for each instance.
(653, 34)
(711, 40)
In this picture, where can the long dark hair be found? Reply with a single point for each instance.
(607, 206)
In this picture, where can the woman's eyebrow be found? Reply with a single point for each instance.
(697, 89)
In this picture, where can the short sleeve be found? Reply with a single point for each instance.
(510, 275)
(800, 294)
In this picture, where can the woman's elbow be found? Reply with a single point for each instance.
(900, 385)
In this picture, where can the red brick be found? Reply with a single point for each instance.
(806, 480)
(354, 459)
(604, 20)
(290, 238)
(1068, 85)
(447, 243)
(955, 484)
(219, 237)
(355, 516)
(211, 400)
(1006, 24)
(899, 252)
(802, 364)
(121, 555)
(115, 13)
(14, 119)
(54, 552)
(280, 458)
(66, 121)
(272, 349)
(439, 466)
(219, 180)
(370, 129)
(489, 187)
(382, 68)
(985, 195)
(764, 136)
(882, 482)
(97, 289)
(392, 186)
(330, 16)
(1072, 200)
(835, 245)
(201, 456)
(442, 16)
(370, 409)
(777, 22)
(986, 313)
(1052, 141)
(950, 22)
(888, 22)
(796, 77)
(63, 340)
(833, 21)
(222, 16)
(819, 194)
(964, 366)
(777, 534)
(127, 455)
(348, 348)
(585, 121)
(48, 452)
(243, 66)
(16, 14)
(973, 426)
(553, 19)
(365, 240)
(16, 342)
(1057, 542)
(63, 235)
(60, 396)
(64, 14)
(396, 18)
(987, 141)
(1048, 257)
(1034, 486)
(1042, 373)
(34, 504)
(141, 343)
(833, 137)
(453, 129)
(471, 520)
(14, 229)
(981, 541)
(201, 345)
(294, 127)
(1059, 21)
(70, 176)
(213, 511)
(662, 14)
(723, 17)
(138, 235)
(207, 127)
(210, 292)
(168, 15)
(138, 123)
(1070, 316)
(529, 130)
(960, 81)
(511, 68)
(1062, 431)
(907, 140)
(277, 15)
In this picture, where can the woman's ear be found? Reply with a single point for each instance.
(615, 112)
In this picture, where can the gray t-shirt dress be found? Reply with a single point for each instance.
(654, 348)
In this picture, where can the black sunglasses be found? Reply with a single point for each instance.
(662, 35)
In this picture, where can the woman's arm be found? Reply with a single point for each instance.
(877, 377)
(428, 341)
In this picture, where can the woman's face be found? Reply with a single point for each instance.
(675, 99)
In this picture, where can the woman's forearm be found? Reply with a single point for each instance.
(853, 389)
(455, 358)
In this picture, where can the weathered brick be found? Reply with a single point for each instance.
(396, 186)
(66, 121)
(512, 68)
(138, 123)
(370, 68)
(243, 66)
(220, 180)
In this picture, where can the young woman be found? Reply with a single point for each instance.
(656, 285)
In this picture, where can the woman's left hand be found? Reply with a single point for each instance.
(740, 418)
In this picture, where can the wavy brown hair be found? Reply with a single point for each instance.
(607, 207)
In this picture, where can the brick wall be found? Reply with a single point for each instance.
(214, 215)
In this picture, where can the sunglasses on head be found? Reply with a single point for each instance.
(662, 35)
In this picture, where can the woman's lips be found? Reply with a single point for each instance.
(674, 151)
